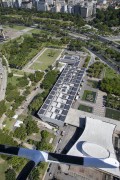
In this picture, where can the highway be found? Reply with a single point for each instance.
(110, 64)
(78, 36)
(109, 40)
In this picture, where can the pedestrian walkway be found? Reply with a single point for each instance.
(99, 108)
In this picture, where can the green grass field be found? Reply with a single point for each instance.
(10, 123)
(93, 84)
(16, 27)
(37, 31)
(85, 108)
(13, 80)
(111, 113)
(89, 96)
(110, 73)
(3, 168)
(46, 59)
(17, 71)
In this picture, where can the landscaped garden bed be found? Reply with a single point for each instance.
(85, 108)
(111, 113)
(89, 96)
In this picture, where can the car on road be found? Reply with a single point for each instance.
(50, 165)
(62, 133)
(59, 140)
(50, 174)
(48, 169)
(59, 150)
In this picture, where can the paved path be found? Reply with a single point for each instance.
(3, 84)
(18, 75)
(20, 33)
(8, 68)
(27, 66)
(110, 64)
(99, 108)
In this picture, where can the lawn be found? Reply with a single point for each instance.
(3, 168)
(36, 66)
(93, 84)
(85, 108)
(89, 96)
(13, 80)
(46, 59)
(16, 27)
(37, 31)
(17, 71)
(111, 113)
(9, 124)
(110, 73)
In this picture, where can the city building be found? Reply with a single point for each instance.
(87, 10)
(63, 93)
(26, 4)
(42, 5)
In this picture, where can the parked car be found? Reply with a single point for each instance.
(50, 174)
(59, 140)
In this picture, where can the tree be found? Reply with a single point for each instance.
(17, 162)
(20, 132)
(22, 82)
(35, 104)
(31, 127)
(111, 86)
(34, 175)
(6, 138)
(32, 77)
(10, 75)
(44, 146)
(10, 113)
(51, 53)
(38, 76)
(2, 107)
(44, 134)
(10, 174)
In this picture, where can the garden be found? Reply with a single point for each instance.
(111, 113)
(85, 108)
(89, 96)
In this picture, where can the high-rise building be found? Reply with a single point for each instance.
(87, 10)
(26, 4)
(77, 9)
(42, 5)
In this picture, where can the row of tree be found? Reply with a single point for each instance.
(106, 19)
(95, 69)
(29, 17)
(29, 126)
(47, 83)
(111, 86)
